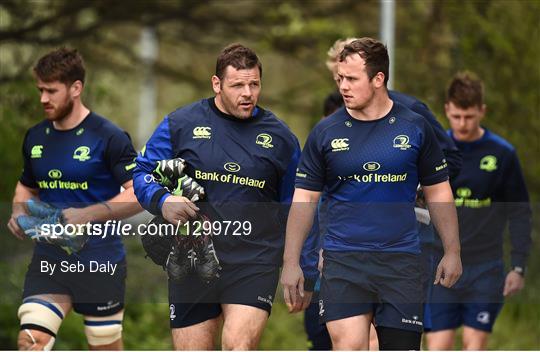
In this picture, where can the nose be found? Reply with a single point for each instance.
(246, 92)
(44, 98)
(342, 84)
(461, 122)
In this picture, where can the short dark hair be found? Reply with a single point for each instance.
(332, 102)
(466, 90)
(237, 56)
(64, 65)
(373, 52)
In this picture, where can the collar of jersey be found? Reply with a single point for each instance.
(258, 113)
(390, 113)
(82, 123)
(485, 137)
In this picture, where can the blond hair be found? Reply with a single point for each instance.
(334, 51)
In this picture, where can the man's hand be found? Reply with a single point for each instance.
(12, 223)
(78, 215)
(177, 209)
(449, 270)
(292, 280)
(22, 194)
(513, 284)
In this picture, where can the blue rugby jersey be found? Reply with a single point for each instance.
(370, 171)
(490, 193)
(453, 159)
(77, 168)
(246, 167)
(448, 147)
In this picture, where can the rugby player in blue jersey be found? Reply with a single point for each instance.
(490, 193)
(318, 332)
(369, 158)
(245, 158)
(75, 163)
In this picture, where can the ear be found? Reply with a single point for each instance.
(76, 89)
(378, 80)
(446, 108)
(483, 110)
(216, 84)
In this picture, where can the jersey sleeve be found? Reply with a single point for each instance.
(120, 156)
(27, 176)
(149, 193)
(311, 169)
(286, 183)
(447, 145)
(432, 166)
(519, 211)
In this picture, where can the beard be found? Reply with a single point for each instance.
(236, 110)
(61, 112)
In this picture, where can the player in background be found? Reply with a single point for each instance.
(490, 193)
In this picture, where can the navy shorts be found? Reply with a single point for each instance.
(95, 293)
(475, 300)
(192, 301)
(387, 284)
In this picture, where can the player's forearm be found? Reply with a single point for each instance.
(520, 228)
(121, 206)
(442, 209)
(22, 194)
(299, 224)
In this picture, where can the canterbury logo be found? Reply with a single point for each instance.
(340, 144)
(202, 132)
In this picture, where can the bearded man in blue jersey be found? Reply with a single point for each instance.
(369, 159)
(75, 163)
(490, 193)
(245, 158)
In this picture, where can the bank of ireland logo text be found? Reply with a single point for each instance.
(488, 163)
(402, 142)
(55, 174)
(264, 140)
(371, 166)
(232, 167)
(202, 132)
(36, 152)
(340, 144)
(82, 153)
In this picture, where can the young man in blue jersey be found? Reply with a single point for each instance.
(245, 158)
(453, 159)
(75, 161)
(369, 158)
(490, 193)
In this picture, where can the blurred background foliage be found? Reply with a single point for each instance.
(498, 39)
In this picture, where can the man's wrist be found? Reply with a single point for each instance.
(290, 260)
(519, 270)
